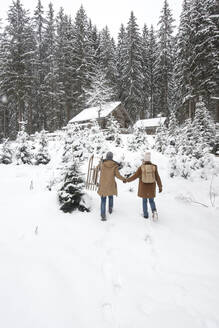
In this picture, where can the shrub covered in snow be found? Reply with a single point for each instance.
(6, 153)
(138, 139)
(23, 151)
(71, 195)
(42, 156)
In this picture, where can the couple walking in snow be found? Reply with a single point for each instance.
(148, 177)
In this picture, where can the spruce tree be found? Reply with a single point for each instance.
(132, 74)
(52, 88)
(71, 195)
(42, 156)
(204, 133)
(82, 59)
(23, 152)
(164, 65)
(120, 62)
(145, 69)
(152, 84)
(204, 58)
(108, 57)
(6, 153)
(100, 91)
(39, 67)
(16, 74)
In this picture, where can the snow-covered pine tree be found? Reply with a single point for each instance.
(161, 138)
(42, 156)
(81, 59)
(96, 140)
(6, 153)
(23, 152)
(71, 195)
(164, 64)
(120, 61)
(38, 67)
(172, 134)
(204, 132)
(182, 70)
(152, 85)
(108, 58)
(17, 51)
(99, 92)
(184, 141)
(52, 89)
(145, 70)
(138, 139)
(132, 73)
(204, 56)
(65, 66)
(113, 131)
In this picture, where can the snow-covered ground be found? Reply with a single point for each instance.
(73, 270)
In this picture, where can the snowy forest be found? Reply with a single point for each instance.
(49, 63)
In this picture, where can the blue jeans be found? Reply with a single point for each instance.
(103, 204)
(145, 205)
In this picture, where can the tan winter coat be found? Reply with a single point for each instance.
(108, 172)
(146, 190)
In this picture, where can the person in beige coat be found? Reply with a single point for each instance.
(109, 169)
(147, 191)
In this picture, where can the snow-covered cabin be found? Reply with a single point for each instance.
(151, 124)
(116, 109)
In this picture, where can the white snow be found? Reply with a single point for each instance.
(73, 270)
(150, 122)
(92, 113)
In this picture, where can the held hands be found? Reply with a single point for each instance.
(125, 181)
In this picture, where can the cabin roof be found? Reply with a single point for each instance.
(151, 122)
(92, 113)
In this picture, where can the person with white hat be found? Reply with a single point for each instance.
(148, 178)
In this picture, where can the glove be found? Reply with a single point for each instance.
(124, 181)
(160, 190)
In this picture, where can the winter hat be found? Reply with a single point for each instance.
(109, 155)
(147, 156)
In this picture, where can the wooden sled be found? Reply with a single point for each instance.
(92, 175)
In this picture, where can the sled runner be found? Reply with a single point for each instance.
(92, 175)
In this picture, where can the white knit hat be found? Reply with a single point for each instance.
(147, 156)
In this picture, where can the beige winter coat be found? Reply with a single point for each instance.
(146, 190)
(108, 172)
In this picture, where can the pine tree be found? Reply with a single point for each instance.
(23, 152)
(120, 62)
(38, 66)
(6, 153)
(113, 131)
(65, 63)
(204, 58)
(42, 156)
(204, 132)
(161, 138)
(71, 194)
(82, 59)
(108, 57)
(182, 66)
(52, 88)
(145, 69)
(16, 75)
(132, 74)
(164, 65)
(99, 92)
(152, 84)
(138, 139)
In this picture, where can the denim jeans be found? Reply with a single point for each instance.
(103, 204)
(145, 205)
